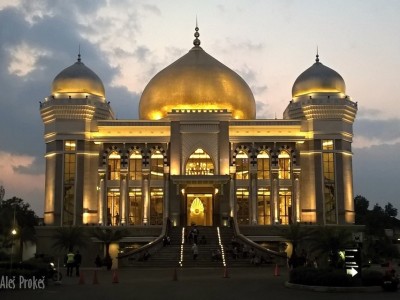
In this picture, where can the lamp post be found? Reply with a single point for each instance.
(13, 234)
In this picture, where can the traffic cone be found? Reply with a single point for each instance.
(81, 278)
(95, 280)
(175, 275)
(115, 277)
(276, 272)
(226, 275)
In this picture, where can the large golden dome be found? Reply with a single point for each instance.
(78, 79)
(196, 81)
(318, 78)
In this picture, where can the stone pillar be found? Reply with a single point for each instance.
(232, 192)
(253, 196)
(275, 198)
(296, 198)
(146, 197)
(122, 207)
(101, 212)
(166, 193)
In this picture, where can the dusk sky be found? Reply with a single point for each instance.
(268, 43)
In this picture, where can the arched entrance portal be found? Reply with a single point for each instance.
(199, 209)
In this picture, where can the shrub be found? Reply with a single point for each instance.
(371, 277)
(321, 277)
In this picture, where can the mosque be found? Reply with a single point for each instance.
(198, 154)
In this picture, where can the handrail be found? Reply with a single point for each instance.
(150, 247)
(253, 244)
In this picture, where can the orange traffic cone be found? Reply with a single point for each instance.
(226, 275)
(115, 277)
(276, 272)
(81, 278)
(175, 275)
(95, 280)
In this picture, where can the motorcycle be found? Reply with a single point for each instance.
(53, 273)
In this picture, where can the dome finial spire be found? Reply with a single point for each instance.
(317, 56)
(79, 53)
(196, 41)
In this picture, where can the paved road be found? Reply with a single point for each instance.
(193, 284)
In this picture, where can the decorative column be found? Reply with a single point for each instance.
(146, 196)
(296, 196)
(123, 189)
(253, 195)
(166, 193)
(101, 201)
(232, 194)
(275, 197)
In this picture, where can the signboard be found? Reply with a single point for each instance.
(352, 260)
(358, 237)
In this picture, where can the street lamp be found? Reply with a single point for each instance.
(13, 234)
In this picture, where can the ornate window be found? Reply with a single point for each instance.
(285, 206)
(199, 163)
(242, 165)
(156, 206)
(328, 168)
(114, 166)
(135, 166)
(264, 206)
(135, 206)
(69, 189)
(156, 165)
(284, 165)
(113, 217)
(263, 165)
(242, 197)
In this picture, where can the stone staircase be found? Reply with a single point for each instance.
(170, 255)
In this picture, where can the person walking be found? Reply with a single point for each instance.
(195, 251)
(70, 263)
(77, 261)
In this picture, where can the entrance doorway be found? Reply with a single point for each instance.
(199, 209)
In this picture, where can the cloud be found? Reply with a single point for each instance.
(370, 132)
(376, 172)
(20, 182)
(24, 58)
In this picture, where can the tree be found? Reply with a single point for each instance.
(16, 214)
(326, 242)
(295, 234)
(390, 210)
(108, 236)
(68, 238)
(361, 205)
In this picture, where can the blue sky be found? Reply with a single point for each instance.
(269, 43)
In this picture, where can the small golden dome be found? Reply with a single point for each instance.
(196, 81)
(78, 79)
(318, 78)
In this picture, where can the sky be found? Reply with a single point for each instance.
(269, 43)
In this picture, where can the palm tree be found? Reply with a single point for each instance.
(108, 236)
(327, 242)
(67, 238)
(295, 235)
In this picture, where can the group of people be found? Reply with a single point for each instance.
(73, 260)
(193, 235)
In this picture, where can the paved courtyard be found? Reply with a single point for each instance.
(207, 284)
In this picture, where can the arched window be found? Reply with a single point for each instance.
(264, 206)
(242, 165)
(135, 166)
(114, 166)
(157, 165)
(284, 165)
(242, 198)
(263, 165)
(199, 163)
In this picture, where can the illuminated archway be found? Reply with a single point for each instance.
(199, 163)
